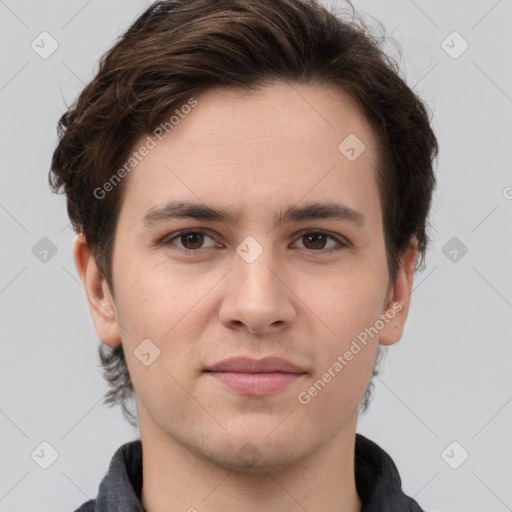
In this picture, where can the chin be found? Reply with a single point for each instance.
(258, 458)
(259, 448)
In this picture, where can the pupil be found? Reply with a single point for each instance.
(314, 237)
(190, 237)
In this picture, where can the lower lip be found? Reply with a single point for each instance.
(256, 384)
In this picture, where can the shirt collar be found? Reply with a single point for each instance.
(378, 482)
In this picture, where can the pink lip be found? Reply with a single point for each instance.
(256, 377)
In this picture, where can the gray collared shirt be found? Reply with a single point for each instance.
(377, 481)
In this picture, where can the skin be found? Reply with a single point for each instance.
(299, 300)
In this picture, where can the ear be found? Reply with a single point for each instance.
(399, 297)
(101, 303)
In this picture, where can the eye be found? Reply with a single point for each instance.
(317, 240)
(191, 240)
(314, 241)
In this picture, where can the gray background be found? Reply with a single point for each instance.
(447, 380)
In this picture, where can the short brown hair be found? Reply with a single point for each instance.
(179, 48)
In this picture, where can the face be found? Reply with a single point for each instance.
(285, 258)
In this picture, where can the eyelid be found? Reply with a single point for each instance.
(342, 241)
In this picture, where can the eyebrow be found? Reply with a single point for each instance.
(201, 211)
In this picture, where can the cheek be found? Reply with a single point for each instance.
(347, 345)
(154, 298)
(350, 303)
(338, 391)
(151, 308)
(340, 380)
(345, 359)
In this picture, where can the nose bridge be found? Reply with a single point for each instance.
(257, 297)
(255, 278)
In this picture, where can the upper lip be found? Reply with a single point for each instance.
(248, 365)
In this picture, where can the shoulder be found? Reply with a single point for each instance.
(378, 481)
(88, 506)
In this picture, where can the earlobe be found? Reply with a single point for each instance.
(101, 304)
(397, 308)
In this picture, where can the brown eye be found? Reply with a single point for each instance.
(192, 240)
(189, 240)
(314, 240)
(318, 241)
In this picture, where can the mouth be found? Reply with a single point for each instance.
(255, 377)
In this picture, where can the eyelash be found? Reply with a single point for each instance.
(342, 243)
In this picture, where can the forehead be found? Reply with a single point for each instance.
(288, 115)
(249, 148)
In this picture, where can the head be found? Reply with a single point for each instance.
(246, 107)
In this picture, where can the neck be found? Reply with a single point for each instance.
(175, 478)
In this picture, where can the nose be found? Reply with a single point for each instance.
(257, 297)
